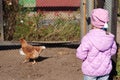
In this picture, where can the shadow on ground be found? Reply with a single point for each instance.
(39, 59)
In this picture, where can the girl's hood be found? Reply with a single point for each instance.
(100, 39)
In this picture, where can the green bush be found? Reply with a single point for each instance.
(61, 30)
(118, 64)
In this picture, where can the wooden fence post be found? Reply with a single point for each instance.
(86, 7)
(83, 18)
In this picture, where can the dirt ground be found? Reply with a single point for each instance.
(53, 64)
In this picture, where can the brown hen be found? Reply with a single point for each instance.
(30, 52)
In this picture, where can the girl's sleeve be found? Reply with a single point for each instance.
(83, 49)
(114, 48)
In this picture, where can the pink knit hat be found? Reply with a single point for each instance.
(99, 17)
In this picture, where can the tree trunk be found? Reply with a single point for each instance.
(10, 8)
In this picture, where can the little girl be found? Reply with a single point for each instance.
(97, 48)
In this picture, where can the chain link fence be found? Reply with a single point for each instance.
(37, 20)
(86, 8)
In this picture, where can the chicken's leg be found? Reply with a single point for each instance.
(34, 62)
(26, 59)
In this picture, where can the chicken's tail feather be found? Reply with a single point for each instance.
(21, 51)
(43, 47)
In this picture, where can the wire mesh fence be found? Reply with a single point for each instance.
(86, 8)
(38, 20)
(41, 21)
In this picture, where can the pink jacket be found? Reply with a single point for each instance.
(95, 50)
